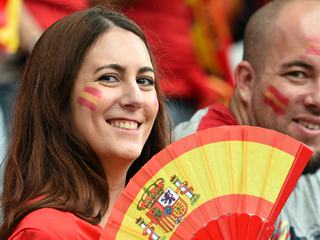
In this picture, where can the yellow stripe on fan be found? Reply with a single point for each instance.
(264, 174)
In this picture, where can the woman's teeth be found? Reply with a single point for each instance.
(128, 125)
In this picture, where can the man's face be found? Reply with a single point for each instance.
(286, 92)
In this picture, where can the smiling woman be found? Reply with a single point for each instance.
(119, 90)
(88, 115)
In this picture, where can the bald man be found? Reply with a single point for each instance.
(278, 87)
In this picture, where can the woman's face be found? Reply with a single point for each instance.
(114, 100)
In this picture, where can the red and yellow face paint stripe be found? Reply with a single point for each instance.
(314, 48)
(276, 100)
(89, 97)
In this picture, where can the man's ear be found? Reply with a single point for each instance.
(244, 77)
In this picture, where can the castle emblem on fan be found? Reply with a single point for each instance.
(165, 206)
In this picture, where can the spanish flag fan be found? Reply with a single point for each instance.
(9, 25)
(228, 182)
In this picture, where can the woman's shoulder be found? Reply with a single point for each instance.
(49, 223)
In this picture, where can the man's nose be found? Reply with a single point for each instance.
(312, 100)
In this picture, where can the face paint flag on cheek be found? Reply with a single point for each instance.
(89, 97)
(275, 100)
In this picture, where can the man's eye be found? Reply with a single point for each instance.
(108, 78)
(145, 81)
(297, 74)
(298, 77)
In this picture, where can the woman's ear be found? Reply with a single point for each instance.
(244, 77)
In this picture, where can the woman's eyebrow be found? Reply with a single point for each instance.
(114, 66)
(146, 69)
(121, 69)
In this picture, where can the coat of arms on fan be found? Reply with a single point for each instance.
(166, 206)
(228, 182)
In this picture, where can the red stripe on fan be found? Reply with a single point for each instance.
(238, 133)
(193, 220)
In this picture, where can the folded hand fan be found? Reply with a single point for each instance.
(221, 183)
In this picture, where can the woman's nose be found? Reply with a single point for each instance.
(132, 96)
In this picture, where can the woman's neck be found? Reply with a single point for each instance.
(114, 195)
(116, 182)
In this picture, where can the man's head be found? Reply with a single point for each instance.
(278, 83)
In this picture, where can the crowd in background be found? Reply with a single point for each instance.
(197, 44)
(100, 84)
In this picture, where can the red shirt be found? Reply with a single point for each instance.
(52, 224)
(217, 115)
(214, 116)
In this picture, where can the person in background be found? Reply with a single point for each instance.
(87, 116)
(38, 15)
(9, 43)
(278, 87)
(30, 18)
(34, 17)
(26, 20)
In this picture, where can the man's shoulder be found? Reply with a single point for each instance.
(215, 115)
(188, 127)
(300, 217)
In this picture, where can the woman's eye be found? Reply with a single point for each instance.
(145, 81)
(108, 79)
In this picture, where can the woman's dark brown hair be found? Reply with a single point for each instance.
(48, 164)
